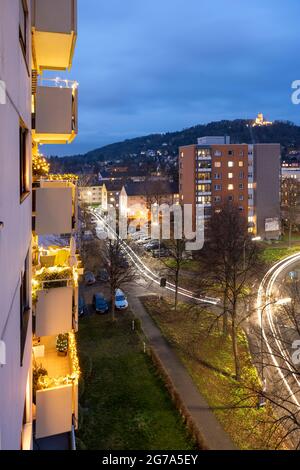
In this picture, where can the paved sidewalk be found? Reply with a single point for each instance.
(204, 419)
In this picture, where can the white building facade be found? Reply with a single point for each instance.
(35, 35)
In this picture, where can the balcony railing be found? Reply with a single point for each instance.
(54, 32)
(55, 293)
(55, 387)
(55, 112)
(55, 207)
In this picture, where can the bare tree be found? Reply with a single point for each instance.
(230, 259)
(119, 270)
(174, 263)
(290, 203)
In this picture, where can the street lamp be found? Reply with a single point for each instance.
(254, 239)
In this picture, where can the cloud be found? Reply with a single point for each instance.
(146, 66)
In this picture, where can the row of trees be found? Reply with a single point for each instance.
(229, 265)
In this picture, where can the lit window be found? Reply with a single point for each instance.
(230, 176)
(230, 164)
(230, 187)
(241, 164)
(218, 164)
(241, 197)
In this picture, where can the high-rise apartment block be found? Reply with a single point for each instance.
(214, 172)
(38, 281)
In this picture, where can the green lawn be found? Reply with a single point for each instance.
(207, 355)
(123, 402)
(272, 254)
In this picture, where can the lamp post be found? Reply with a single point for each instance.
(254, 239)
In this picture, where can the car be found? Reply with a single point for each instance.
(162, 253)
(89, 278)
(143, 240)
(153, 245)
(103, 275)
(121, 302)
(100, 304)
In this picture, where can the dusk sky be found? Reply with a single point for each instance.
(147, 66)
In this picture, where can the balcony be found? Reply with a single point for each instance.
(55, 387)
(53, 35)
(55, 112)
(55, 207)
(55, 292)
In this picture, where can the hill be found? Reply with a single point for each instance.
(241, 131)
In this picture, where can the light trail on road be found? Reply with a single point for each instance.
(146, 271)
(264, 302)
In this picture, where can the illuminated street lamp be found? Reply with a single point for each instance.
(254, 239)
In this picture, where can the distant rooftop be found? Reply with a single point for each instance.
(214, 140)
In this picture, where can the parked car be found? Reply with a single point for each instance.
(162, 253)
(144, 240)
(89, 278)
(100, 304)
(121, 302)
(153, 245)
(103, 275)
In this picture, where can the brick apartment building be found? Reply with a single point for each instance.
(214, 171)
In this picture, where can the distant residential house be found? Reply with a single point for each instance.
(94, 195)
(136, 198)
(113, 189)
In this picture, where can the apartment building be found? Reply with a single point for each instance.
(214, 172)
(38, 284)
(136, 199)
(94, 195)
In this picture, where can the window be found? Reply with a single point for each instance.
(203, 188)
(241, 175)
(241, 197)
(218, 153)
(241, 209)
(23, 161)
(230, 152)
(241, 164)
(204, 176)
(217, 199)
(230, 198)
(218, 164)
(230, 176)
(241, 186)
(24, 307)
(230, 164)
(218, 176)
(23, 20)
(241, 153)
(204, 164)
(230, 187)
(218, 187)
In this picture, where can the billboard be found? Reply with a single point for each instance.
(272, 225)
